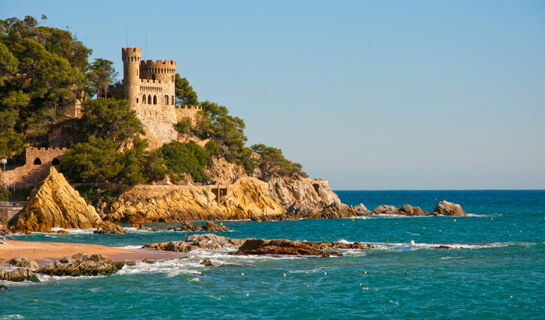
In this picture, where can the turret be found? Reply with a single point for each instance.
(131, 74)
(163, 70)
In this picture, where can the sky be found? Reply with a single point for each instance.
(365, 94)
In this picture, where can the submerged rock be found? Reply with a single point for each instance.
(109, 228)
(55, 204)
(23, 262)
(281, 247)
(207, 263)
(446, 208)
(81, 264)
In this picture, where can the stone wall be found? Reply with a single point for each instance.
(189, 112)
(37, 164)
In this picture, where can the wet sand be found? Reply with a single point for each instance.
(44, 252)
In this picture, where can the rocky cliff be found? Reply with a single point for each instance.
(55, 204)
(247, 198)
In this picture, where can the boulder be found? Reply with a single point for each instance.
(81, 264)
(207, 263)
(23, 262)
(18, 275)
(385, 209)
(139, 226)
(446, 208)
(212, 227)
(361, 210)
(109, 228)
(325, 245)
(281, 247)
(55, 204)
(408, 210)
(197, 241)
(3, 287)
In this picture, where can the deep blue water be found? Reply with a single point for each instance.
(394, 281)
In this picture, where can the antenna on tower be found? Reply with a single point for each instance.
(146, 47)
(126, 35)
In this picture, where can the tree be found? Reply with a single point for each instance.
(110, 119)
(101, 75)
(185, 158)
(184, 125)
(273, 162)
(184, 92)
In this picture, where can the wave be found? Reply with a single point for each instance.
(397, 246)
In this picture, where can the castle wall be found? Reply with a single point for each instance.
(188, 111)
(37, 164)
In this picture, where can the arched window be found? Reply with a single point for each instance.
(37, 161)
(149, 99)
(153, 76)
(166, 100)
(144, 99)
(154, 99)
(172, 100)
(55, 162)
(136, 100)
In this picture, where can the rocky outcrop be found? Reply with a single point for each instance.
(361, 209)
(23, 262)
(281, 247)
(208, 227)
(246, 198)
(18, 275)
(197, 241)
(55, 204)
(443, 208)
(82, 265)
(446, 208)
(107, 227)
(258, 246)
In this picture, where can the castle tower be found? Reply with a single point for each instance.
(131, 74)
(163, 71)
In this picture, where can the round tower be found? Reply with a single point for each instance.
(131, 74)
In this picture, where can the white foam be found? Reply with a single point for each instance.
(393, 246)
(12, 316)
(129, 247)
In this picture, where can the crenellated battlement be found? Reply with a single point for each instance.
(43, 149)
(150, 81)
(188, 107)
(158, 62)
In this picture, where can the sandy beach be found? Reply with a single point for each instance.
(44, 252)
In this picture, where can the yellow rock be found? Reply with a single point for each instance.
(55, 204)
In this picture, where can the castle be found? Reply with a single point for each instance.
(148, 85)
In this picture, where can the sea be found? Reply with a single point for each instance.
(495, 271)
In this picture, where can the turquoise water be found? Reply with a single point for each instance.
(505, 280)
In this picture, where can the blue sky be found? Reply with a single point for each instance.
(365, 94)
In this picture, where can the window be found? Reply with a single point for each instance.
(166, 100)
(56, 162)
(149, 99)
(144, 99)
(136, 100)
(172, 100)
(154, 99)
(37, 161)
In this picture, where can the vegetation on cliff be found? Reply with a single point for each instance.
(42, 72)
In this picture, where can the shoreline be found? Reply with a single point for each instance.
(44, 252)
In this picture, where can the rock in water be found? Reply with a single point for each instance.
(385, 209)
(197, 241)
(55, 204)
(281, 247)
(107, 227)
(81, 264)
(361, 209)
(23, 262)
(446, 208)
(207, 263)
(18, 275)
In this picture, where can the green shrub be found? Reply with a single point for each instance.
(185, 158)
